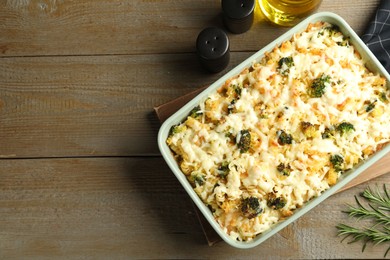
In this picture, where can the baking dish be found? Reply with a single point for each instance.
(371, 62)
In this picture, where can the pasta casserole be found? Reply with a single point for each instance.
(282, 131)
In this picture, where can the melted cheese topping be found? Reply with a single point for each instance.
(283, 131)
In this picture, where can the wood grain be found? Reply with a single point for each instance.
(58, 27)
(80, 172)
(125, 208)
(83, 106)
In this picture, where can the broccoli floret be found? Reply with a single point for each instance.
(345, 128)
(284, 138)
(382, 97)
(223, 169)
(198, 178)
(231, 139)
(328, 133)
(317, 88)
(231, 107)
(331, 30)
(308, 129)
(237, 90)
(233, 90)
(334, 30)
(175, 129)
(196, 112)
(284, 169)
(275, 202)
(285, 64)
(244, 141)
(250, 207)
(344, 42)
(337, 160)
(370, 106)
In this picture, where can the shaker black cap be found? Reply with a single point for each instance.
(238, 14)
(212, 46)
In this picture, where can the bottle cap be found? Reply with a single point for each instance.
(212, 47)
(238, 14)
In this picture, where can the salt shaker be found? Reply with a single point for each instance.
(212, 46)
(238, 15)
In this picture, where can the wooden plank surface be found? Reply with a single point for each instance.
(95, 105)
(101, 105)
(59, 27)
(125, 208)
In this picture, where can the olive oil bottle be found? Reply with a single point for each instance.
(287, 12)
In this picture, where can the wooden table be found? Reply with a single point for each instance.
(80, 172)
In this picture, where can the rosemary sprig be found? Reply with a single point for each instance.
(378, 211)
(383, 201)
(374, 213)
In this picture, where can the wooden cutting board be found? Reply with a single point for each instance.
(165, 110)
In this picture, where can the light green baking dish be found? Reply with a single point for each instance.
(372, 63)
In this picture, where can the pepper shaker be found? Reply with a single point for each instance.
(238, 15)
(212, 47)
